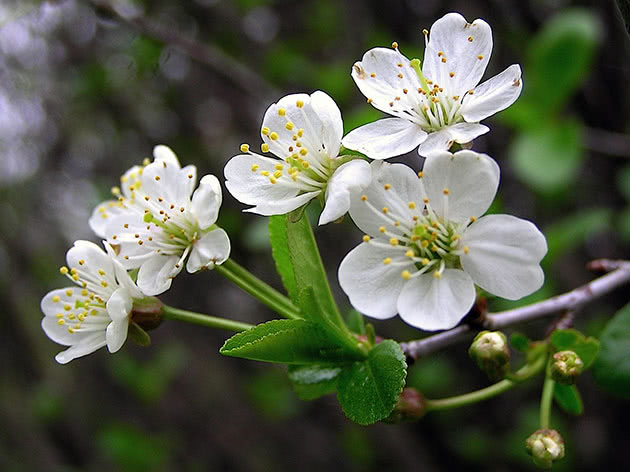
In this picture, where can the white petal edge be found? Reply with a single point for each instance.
(206, 201)
(156, 274)
(385, 138)
(372, 287)
(212, 249)
(116, 334)
(330, 115)
(431, 303)
(348, 178)
(504, 254)
(493, 95)
(471, 179)
(87, 346)
(443, 139)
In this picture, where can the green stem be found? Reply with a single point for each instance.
(258, 289)
(171, 313)
(522, 374)
(545, 402)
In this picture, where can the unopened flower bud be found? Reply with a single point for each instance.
(545, 446)
(490, 352)
(411, 406)
(566, 367)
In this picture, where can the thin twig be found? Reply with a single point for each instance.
(607, 142)
(568, 302)
(207, 54)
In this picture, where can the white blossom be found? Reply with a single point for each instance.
(426, 245)
(437, 105)
(158, 222)
(304, 132)
(95, 312)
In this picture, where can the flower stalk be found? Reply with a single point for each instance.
(171, 313)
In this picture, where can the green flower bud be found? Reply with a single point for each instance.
(411, 406)
(545, 446)
(490, 352)
(566, 367)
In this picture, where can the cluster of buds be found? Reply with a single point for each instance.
(545, 446)
(566, 367)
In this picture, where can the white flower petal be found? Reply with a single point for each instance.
(493, 95)
(403, 187)
(436, 141)
(116, 334)
(281, 207)
(206, 201)
(122, 275)
(431, 303)
(383, 75)
(186, 181)
(90, 257)
(504, 254)
(213, 248)
(470, 179)
(332, 125)
(156, 274)
(385, 138)
(103, 214)
(87, 346)
(457, 47)
(119, 304)
(372, 287)
(350, 177)
(162, 153)
(161, 179)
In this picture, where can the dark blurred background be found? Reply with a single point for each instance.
(87, 89)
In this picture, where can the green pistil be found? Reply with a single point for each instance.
(415, 64)
(172, 229)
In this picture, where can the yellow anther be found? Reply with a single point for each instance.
(103, 283)
(255, 167)
(414, 237)
(385, 210)
(393, 241)
(299, 104)
(56, 299)
(70, 330)
(94, 313)
(443, 59)
(81, 316)
(282, 111)
(305, 164)
(364, 198)
(59, 315)
(446, 191)
(101, 272)
(265, 131)
(382, 229)
(264, 147)
(157, 177)
(75, 277)
(372, 75)
(424, 244)
(405, 274)
(387, 260)
(425, 32)
(425, 200)
(420, 174)
(272, 180)
(387, 186)
(69, 292)
(412, 205)
(395, 45)
(396, 223)
(115, 191)
(264, 173)
(71, 316)
(300, 132)
(470, 39)
(279, 167)
(425, 261)
(61, 322)
(437, 275)
(244, 147)
(473, 219)
(440, 53)
(455, 97)
(405, 91)
(303, 152)
(480, 57)
(369, 100)
(400, 76)
(451, 74)
(289, 125)
(67, 307)
(273, 136)
(84, 293)
(63, 270)
(466, 249)
(277, 174)
(366, 238)
(471, 92)
(409, 253)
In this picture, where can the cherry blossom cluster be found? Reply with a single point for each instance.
(426, 244)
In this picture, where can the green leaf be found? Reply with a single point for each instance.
(356, 322)
(549, 156)
(560, 57)
(287, 342)
(520, 342)
(313, 381)
(573, 340)
(612, 369)
(568, 398)
(368, 391)
(280, 253)
(138, 335)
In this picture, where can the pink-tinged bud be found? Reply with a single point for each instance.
(411, 406)
(566, 367)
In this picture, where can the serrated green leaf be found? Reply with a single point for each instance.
(612, 369)
(368, 391)
(313, 381)
(568, 398)
(572, 340)
(520, 342)
(287, 342)
(280, 253)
